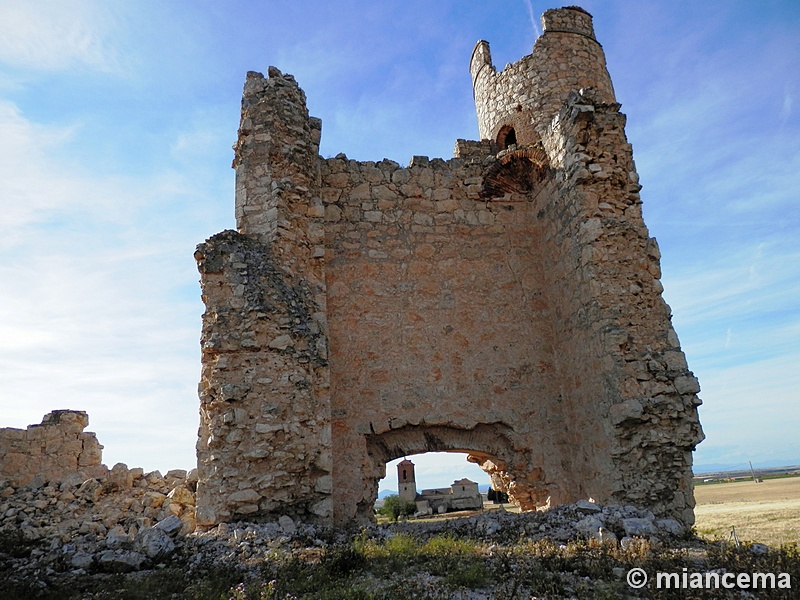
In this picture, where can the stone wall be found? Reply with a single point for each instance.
(505, 303)
(440, 327)
(53, 450)
(265, 401)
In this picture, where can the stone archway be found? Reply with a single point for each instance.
(490, 446)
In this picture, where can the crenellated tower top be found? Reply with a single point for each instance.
(571, 19)
(514, 103)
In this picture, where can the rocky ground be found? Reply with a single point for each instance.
(131, 535)
(126, 521)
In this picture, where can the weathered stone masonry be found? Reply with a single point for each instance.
(505, 303)
(55, 448)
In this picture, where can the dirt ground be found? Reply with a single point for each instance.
(767, 512)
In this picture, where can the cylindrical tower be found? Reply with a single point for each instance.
(512, 104)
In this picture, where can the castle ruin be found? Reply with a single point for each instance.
(505, 303)
(56, 448)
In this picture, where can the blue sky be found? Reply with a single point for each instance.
(116, 125)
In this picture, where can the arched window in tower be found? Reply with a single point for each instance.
(506, 137)
(405, 475)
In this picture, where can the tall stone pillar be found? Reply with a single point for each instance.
(264, 440)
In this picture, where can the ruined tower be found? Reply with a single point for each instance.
(505, 303)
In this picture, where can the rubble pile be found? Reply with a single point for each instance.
(582, 520)
(99, 527)
(126, 521)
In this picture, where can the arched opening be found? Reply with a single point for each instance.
(517, 171)
(492, 447)
(434, 469)
(511, 138)
(506, 137)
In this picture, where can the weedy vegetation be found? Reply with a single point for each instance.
(434, 567)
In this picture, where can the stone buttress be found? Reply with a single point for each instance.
(505, 303)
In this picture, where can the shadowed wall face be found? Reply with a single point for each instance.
(505, 303)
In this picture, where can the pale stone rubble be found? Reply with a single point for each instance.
(246, 544)
(129, 517)
(99, 527)
(81, 514)
(126, 520)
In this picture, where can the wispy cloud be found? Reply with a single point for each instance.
(50, 35)
(534, 20)
(101, 310)
(35, 185)
(715, 142)
(786, 107)
(746, 282)
(746, 403)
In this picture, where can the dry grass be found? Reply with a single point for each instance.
(767, 512)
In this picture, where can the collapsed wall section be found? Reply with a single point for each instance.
(264, 440)
(56, 449)
(618, 349)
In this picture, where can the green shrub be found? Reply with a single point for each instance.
(394, 507)
(467, 573)
(447, 545)
(402, 545)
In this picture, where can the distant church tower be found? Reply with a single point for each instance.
(406, 482)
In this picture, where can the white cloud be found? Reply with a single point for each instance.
(754, 408)
(534, 21)
(95, 324)
(24, 190)
(51, 35)
(746, 282)
(100, 305)
(786, 107)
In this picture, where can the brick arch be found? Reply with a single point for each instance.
(518, 170)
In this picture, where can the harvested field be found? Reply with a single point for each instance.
(767, 512)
